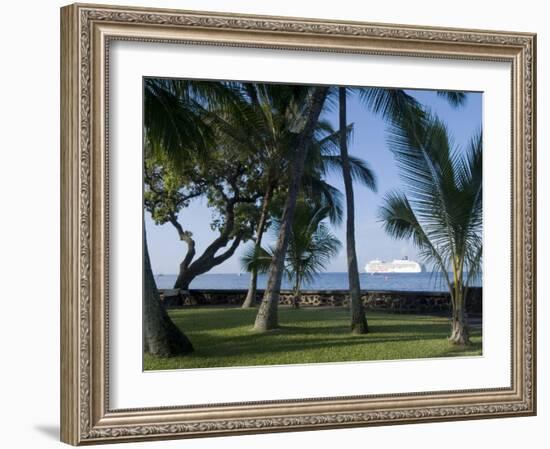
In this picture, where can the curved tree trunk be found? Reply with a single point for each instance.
(250, 299)
(267, 318)
(183, 280)
(190, 267)
(161, 337)
(185, 276)
(203, 264)
(358, 319)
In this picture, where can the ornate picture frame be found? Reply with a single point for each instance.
(87, 32)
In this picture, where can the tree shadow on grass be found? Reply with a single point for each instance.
(222, 319)
(290, 354)
(288, 342)
(213, 319)
(224, 337)
(457, 351)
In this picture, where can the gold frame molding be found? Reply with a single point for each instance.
(86, 31)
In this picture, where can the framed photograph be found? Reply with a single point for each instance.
(279, 224)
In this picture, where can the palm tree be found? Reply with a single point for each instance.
(267, 123)
(442, 209)
(310, 248)
(391, 104)
(267, 318)
(321, 159)
(359, 323)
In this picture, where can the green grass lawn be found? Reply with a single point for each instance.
(224, 337)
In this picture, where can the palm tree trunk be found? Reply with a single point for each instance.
(250, 299)
(459, 325)
(267, 318)
(358, 319)
(161, 337)
(296, 297)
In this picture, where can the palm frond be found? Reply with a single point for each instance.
(328, 140)
(173, 126)
(390, 104)
(311, 244)
(324, 194)
(360, 170)
(400, 221)
(259, 259)
(442, 211)
(454, 98)
(428, 165)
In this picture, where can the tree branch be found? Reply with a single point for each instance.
(186, 237)
(230, 251)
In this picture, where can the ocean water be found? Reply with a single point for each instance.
(428, 281)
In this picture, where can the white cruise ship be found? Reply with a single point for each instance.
(396, 266)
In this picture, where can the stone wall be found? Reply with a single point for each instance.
(389, 301)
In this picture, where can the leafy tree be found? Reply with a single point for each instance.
(173, 129)
(441, 210)
(224, 179)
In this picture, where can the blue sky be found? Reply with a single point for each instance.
(370, 143)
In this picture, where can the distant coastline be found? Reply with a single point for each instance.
(425, 281)
(327, 272)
